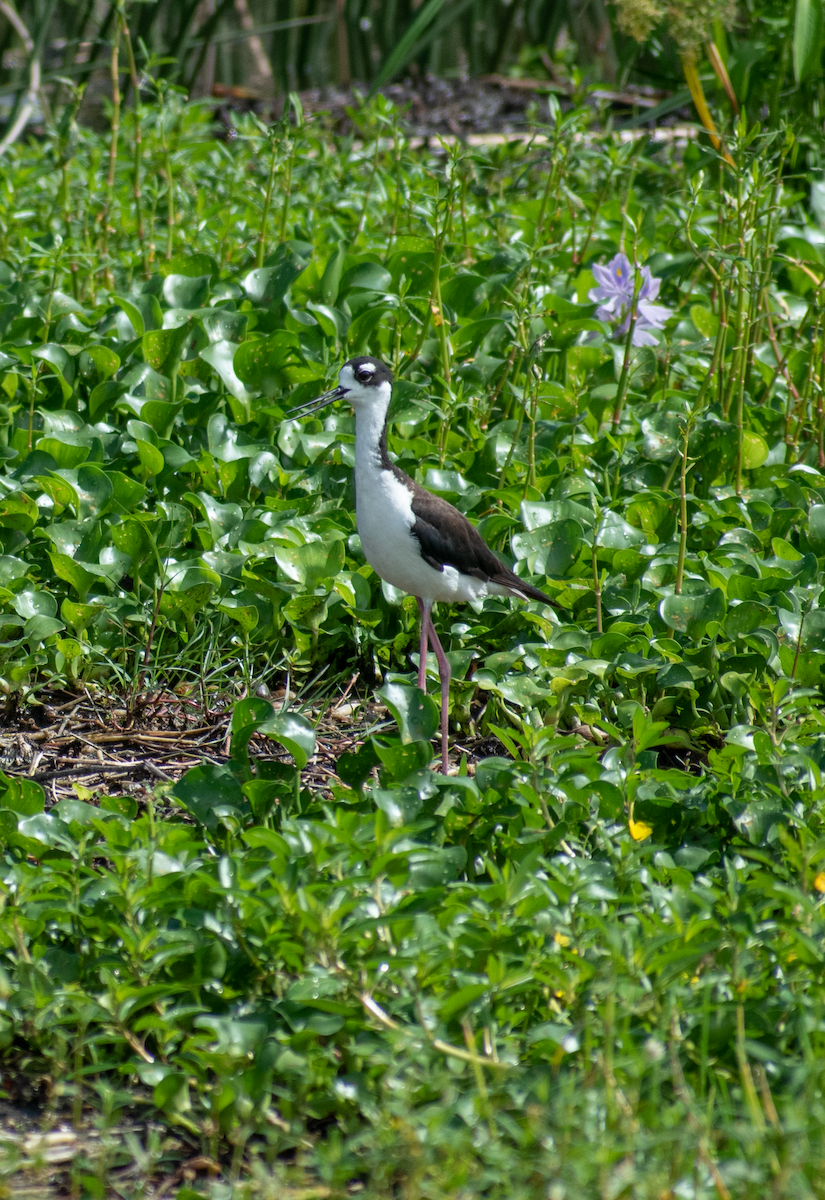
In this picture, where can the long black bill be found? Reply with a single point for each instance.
(312, 406)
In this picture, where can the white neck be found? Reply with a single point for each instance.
(369, 425)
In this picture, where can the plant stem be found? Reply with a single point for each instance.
(170, 186)
(751, 1098)
(531, 439)
(511, 451)
(287, 191)
(362, 220)
(597, 587)
(624, 377)
(137, 159)
(115, 131)
(273, 163)
(485, 419)
(683, 514)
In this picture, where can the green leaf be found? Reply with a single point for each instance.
(38, 628)
(743, 618)
(221, 355)
(246, 615)
(294, 733)
(97, 364)
(614, 533)
(367, 276)
(186, 291)
(150, 457)
(12, 569)
(94, 491)
(434, 868)
(67, 455)
(807, 38)
(60, 359)
(47, 829)
(268, 838)
(311, 563)
(691, 614)
(662, 436)
(21, 796)
(816, 527)
(354, 768)
(189, 266)
(332, 320)
(164, 349)
(29, 603)
(133, 313)
(550, 549)
(142, 380)
(211, 793)
(18, 511)
(104, 396)
(222, 518)
(331, 278)
(268, 285)
(630, 563)
(813, 630)
(400, 760)
(706, 322)
(127, 493)
(260, 364)
(290, 730)
(186, 602)
(416, 713)
(78, 616)
(73, 573)
(462, 999)
(132, 538)
(157, 414)
(223, 325)
(655, 516)
(754, 450)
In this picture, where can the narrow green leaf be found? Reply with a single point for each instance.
(807, 38)
(402, 51)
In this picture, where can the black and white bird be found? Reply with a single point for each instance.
(412, 539)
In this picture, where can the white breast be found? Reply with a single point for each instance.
(383, 510)
(385, 519)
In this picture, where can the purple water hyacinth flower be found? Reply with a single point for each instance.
(615, 297)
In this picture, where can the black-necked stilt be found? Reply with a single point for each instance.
(414, 540)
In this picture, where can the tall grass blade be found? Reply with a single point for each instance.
(402, 52)
(807, 38)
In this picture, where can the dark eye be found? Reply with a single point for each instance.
(363, 376)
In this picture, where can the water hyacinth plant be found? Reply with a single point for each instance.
(618, 284)
(590, 964)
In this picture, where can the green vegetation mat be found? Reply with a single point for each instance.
(590, 966)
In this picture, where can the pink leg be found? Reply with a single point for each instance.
(424, 609)
(444, 676)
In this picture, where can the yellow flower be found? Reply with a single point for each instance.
(561, 939)
(639, 830)
(819, 882)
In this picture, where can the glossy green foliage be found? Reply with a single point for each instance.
(590, 966)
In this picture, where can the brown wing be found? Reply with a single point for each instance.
(447, 538)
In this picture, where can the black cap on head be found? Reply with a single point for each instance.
(369, 371)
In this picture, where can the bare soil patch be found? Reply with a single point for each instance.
(94, 741)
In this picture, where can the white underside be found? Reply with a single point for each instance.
(385, 519)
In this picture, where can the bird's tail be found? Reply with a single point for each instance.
(526, 591)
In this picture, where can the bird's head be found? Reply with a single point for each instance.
(364, 381)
